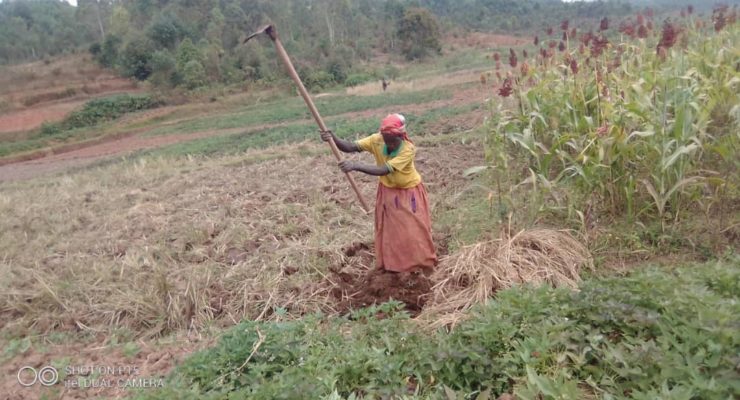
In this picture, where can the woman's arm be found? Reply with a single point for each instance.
(345, 146)
(374, 170)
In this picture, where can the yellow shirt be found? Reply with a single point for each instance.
(400, 162)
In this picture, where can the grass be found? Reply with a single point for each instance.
(459, 60)
(657, 333)
(162, 243)
(294, 108)
(199, 235)
(353, 128)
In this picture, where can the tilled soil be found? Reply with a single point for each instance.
(356, 288)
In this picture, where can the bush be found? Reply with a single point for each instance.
(318, 80)
(50, 129)
(163, 68)
(135, 59)
(105, 109)
(108, 55)
(194, 74)
(358, 79)
(419, 33)
(165, 31)
(337, 71)
(95, 49)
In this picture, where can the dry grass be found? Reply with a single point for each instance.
(160, 245)
(474, 274)
(426, 83)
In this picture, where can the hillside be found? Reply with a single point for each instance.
(583, 193)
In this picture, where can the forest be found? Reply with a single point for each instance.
(196, 43)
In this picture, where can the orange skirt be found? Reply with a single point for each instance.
(403, 229)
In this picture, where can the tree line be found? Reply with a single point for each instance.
(194, 43)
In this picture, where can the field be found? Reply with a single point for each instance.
(588, 225)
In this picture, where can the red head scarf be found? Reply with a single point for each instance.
(395, 125)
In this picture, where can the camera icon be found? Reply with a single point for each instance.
(47, 376)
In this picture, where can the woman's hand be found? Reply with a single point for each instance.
(327, 135)
(347, 166)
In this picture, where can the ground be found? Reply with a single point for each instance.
(140, 241)
(257, 223)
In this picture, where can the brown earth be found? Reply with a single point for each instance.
(354, 282)
(355, 289)
(31, 118)
(47, 91)
(379, 286)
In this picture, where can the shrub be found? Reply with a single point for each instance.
(165, 31)
(163, 68)
(101, 110)
(108, 56)
(358, 79)
(318, 79)
(135, 59)
(419, 33)
(194, 74)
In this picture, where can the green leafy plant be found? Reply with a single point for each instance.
(624, 125)
(658, 333)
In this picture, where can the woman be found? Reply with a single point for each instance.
(403, 226)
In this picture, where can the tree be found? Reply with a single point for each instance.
(165, 31)
(418, 33)
(164, 70)
(135, 59)
(194, 75)
(119, 20)
(108, 55)
(186, 52)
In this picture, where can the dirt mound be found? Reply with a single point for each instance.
(379, 286)
(357, 283)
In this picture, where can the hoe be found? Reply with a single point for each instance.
(272, 33)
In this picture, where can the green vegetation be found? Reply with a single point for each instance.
(298, 131)
(419, 33)
(34, 29)
(657, 333)
(294, 108)
(179, 44)
(76, 126)
(102, 110)
(642, 130)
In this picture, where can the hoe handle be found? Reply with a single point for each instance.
(272, 33)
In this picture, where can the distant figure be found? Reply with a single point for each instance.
(385, 84)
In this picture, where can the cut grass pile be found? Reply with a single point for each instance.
(657, 333)
(475, 273)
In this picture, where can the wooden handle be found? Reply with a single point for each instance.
(315, 112)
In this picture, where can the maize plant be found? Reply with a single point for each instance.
(643, 125)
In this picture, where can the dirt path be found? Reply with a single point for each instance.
(88, 155)
(32, 118)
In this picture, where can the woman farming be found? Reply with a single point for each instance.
(403, 225)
